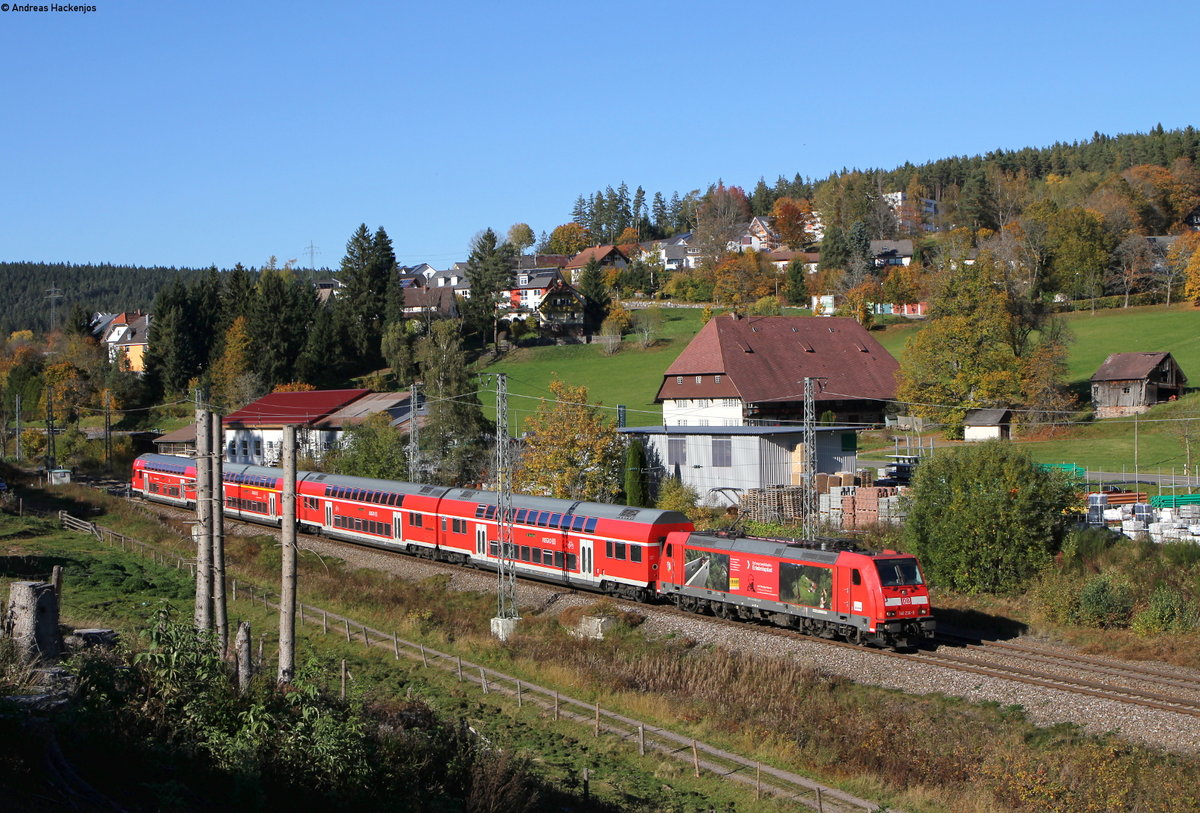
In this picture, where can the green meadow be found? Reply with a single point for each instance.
(632, 376)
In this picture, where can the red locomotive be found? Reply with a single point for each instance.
(637, 553)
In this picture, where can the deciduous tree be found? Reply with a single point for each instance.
(520, 237)
(456, 441)
(569, 239)
(793, 221)
(986, 518)
(573, 450)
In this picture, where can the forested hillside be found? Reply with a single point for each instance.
(26, 285)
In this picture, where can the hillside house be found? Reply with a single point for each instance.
(749, 371)
(725, 460)
(607, 256)
(530, 288)
(127, 338)
(430, 303)
(1131, 383)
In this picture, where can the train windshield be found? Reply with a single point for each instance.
(898, 572)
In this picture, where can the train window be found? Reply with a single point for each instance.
(443, 525)
(621, 552)
(571, 562)
(635, 553)
(493, 548)
(520, 515)
(556, 520)
(608, 548)
(524, 553)
(558, 562)
(590, 526)
(577, 524)
(459, 526)
(898, 572)
(669, 550)
(855, 576)
(416, 520)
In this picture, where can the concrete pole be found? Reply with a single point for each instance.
(204, 580)
(220, 610)
(287, 590)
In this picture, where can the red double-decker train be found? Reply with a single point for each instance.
(637, 553)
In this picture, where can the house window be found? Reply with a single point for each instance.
(729, 402)
(678, 379)
(1127, 389)
(676, 451)
(703, 402)
(718, 379)
(699, 379)
(702, 422)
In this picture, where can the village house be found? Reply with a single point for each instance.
(607, 256)
(1131, 383)
(254, 433)
(750, 371)
(987, 424)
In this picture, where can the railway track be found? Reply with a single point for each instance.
(1121, 682)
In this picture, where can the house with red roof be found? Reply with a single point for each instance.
(607, 256)
(750, 371)
(254, 433)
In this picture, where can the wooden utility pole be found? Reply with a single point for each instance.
(242, 648)
(220, 610)
(203, 615)
(287, 591)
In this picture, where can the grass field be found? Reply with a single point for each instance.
(632, 378)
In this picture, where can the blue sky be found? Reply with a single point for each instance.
(199, 133)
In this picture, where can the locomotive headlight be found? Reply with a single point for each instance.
(891, 613)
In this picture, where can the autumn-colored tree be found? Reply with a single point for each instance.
(904, 284)
(294, 386)
(573, 451)
(859, 300)
(1132, 263)
(569, 238)
(794, 221)
(628, 237)
(1182, 265)
(744, 277)
(232, 377)
(69, 390)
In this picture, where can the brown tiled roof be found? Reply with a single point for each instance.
(362, 408)
(1128, 366)
(599, 253)
(766, 358)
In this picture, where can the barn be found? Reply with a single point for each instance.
(1131, 383)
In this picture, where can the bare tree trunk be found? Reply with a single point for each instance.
(220, 610)
(242, 650)
(203, 615)
(287, 591)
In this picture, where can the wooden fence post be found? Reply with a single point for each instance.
(695, 759)
(424, 662)
(642, 740)
(597, 718)
(460, 668)
(395, 645)
(347, 622)
(483, 680)
(518, 694)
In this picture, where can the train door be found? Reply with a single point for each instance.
(585, 560)
(397, 526)
(329, 514)
(271, 511)
(481, 541)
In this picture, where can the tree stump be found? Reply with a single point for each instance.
(32, 619)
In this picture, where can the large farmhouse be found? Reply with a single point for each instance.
(750, 371)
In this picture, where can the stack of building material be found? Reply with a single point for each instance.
(891, 510)
(775, 504)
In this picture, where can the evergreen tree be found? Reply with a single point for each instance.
(321, 363)
(636, 492)
(595, 293)
(368, 263)
(796, 291)
(858, 243)
(761, 199)
(658, 214)
(489, 271)
(835, 253)
(237, 292)
(456, 439)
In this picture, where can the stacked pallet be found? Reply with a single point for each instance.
(774, 504)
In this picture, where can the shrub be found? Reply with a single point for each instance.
(1055, 598)
(1084, 546)
(1169, 611)
(1104, 602)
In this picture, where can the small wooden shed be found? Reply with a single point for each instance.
(1131, 383)
(987, 424)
